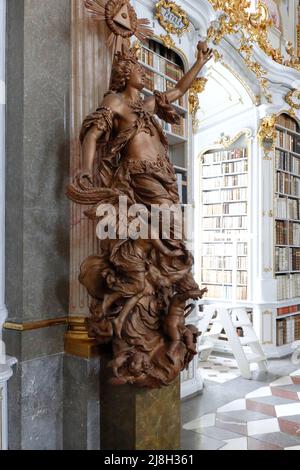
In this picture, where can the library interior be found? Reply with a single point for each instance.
(235, 151)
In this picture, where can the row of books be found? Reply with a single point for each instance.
(154, 81)
(223, 277)
(182, 187)
(211, 236)
(225, 209)
(287, 184)
(288, 286)
(225, 195)
(226, 292)
(288, 309)
(242, 262)
(287, 259)
(217, 262)
(225, 249)
(294, 233)
(294, 258)
(162, 65)
(288, 330)
(287, 208)
(286, 121)
(224, 155)
(281, 259)
(287, 162)
(224, 181)
(216, 277)
(177, 129)
(242, 277)
(225, 222)
(287, 233)
(241, 293)
(285, 140)
(220, 292)
(224, 168)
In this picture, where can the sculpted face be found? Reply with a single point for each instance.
(137, 77)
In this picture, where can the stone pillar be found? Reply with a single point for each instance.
(3, 310)
(138, 419)
(37, 217)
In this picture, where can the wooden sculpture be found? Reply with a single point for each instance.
(139, 285)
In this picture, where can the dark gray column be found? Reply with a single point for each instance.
(37, 216)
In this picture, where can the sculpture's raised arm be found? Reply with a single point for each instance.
(185, 83)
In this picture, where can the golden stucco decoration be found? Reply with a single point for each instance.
(293, 100)
(167, 41)
(267, 134)
(194, 102)
(251, 28)
(173, 19)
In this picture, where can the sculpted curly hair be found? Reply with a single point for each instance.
(120, 75)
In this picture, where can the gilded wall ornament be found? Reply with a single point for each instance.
(293, 100)
(194, 102)
(173, 19)
(251, 28)
(267, 134)
(167, 41)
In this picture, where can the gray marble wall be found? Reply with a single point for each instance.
(37, 214)
(37, 153)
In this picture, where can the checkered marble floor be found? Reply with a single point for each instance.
(220, 369)
(265, 419)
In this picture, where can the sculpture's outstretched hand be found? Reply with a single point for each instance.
(204, 53)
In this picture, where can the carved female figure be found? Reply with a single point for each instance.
(139, 287)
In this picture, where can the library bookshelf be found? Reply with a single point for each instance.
(287, 230)
(225, 221)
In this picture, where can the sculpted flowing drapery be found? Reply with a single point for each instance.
(139, 286)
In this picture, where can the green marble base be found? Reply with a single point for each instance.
(138, 419)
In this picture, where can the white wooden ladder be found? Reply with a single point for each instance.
(246, 349)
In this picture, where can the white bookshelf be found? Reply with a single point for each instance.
(287, 231)
(224, 224)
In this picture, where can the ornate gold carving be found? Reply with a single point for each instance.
(251, 27)
(227, 141)
(194, 102)
(35, 325)
(167, 41)
(293, 100)
(293, 61)
(267, 134)
(172, 17)
(77, 341)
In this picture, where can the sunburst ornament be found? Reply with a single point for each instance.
(122, 21)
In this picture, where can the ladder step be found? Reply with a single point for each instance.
(255, 358)
(205, 346)
(211, 335)
(238, 324)
(245, 341)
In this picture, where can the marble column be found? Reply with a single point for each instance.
(37, 217)
(3, 310)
